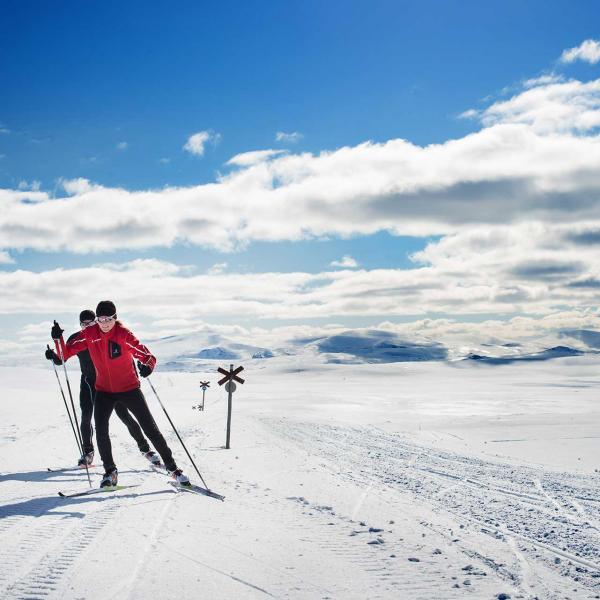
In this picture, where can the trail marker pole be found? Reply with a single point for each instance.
(229, 380)
(204, 385)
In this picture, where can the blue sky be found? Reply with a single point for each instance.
(79, 78)
(111, 92)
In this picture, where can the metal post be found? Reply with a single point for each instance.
(203, 393)
(229, 380)
(230, 387)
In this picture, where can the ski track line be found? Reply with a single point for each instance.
(325, 437)
(54, 560)
(390, 574)
(386, 570)
(17, 553)
(538, 485)
(294, 580)
(548, 548)
(34, 564)
(19, 510)
(565, 513)
(525, 497)
(323, 529)
(17, 557)
(210, 567)
(581, 511)
(126, 591)
(487, 486)
(526, 571)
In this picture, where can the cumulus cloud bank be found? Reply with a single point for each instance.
(536, 158)
(516, 203)
(532, 268)
(163, 299)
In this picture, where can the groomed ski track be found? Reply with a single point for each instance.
(312, 511)
(363, 504)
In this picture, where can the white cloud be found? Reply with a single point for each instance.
(122, 146)
(543, 80)
(552, 108)
(5, 258)
(164, 161)
(347, 262)
(217, 268)
(77, 187)
(246, 159)
(587, 51)
(33, 186)
(535, 160)
(532, 268)
(487, 271)
(4, 129)
(292, 137)
(196, 143)
(471, 113)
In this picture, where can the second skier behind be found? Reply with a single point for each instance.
(113, 348)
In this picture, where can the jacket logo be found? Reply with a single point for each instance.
(114, 350)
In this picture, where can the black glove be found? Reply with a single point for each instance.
(144, 370)
(56, 332)
(51, 355)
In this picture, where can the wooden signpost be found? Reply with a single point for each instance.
(229, 380)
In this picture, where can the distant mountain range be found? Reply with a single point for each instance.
(556, 352)
(199, 350)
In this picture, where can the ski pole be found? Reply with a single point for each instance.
(177, 433)
(64, 363)
(66, 405)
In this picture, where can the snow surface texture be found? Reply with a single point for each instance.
(420, 480)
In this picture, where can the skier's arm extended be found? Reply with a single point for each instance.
(141, 353)
(75, 344)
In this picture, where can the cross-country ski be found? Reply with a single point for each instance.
(72, 468)
(196, 489)
(92, 491)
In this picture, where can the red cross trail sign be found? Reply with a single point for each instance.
(230, 377)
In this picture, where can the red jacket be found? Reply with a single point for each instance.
(113, 356)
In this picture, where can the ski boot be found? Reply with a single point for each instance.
(86, 459)
(179, 477)
(153, 457)
(110, 478)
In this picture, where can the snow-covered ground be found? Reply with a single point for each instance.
(420, 480)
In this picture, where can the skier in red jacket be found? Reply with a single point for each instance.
(87, 393)
(113, 348)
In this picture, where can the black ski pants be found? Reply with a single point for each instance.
(86, 403)
(134, 402)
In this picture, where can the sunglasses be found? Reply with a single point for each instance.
(106, 319)
(87, 323)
